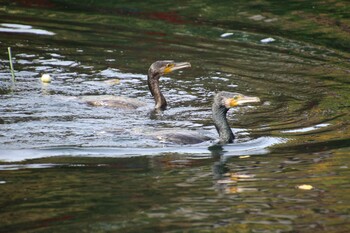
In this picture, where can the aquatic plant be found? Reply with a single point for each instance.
(11, 65)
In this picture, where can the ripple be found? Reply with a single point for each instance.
(21, 28)
(254, 147)
(25, 166)
(116, 73)
(306, 129)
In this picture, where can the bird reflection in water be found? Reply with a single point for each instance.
(225, 180)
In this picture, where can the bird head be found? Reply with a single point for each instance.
(231, 99)
(167, 66)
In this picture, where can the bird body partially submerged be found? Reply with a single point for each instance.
(222, 102)
(156, 70)
(181, 137)
(121, 102)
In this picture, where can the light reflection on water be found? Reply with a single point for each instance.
(20, 28)
(307, 129)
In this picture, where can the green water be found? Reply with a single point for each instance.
(69, 167)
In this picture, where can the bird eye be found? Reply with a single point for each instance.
(237, 97)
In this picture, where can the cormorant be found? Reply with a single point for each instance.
(156, 70)
(222, 102)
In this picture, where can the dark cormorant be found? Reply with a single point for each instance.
(156, 70)
(223, 101)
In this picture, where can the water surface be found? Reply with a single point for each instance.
(66, 166)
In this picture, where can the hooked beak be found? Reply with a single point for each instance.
(239, 100)
(177, 66)
(247, 99)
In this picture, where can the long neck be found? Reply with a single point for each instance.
(221, 124)
(153, 84)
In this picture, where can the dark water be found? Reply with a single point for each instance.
(69, 167)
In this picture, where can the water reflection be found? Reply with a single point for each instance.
(226, 181)
(177, 188)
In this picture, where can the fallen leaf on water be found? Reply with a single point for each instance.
(305, 187)
(45, 78)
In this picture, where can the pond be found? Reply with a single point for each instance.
(67, 166)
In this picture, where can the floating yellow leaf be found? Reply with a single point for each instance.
(46, 78)
(305, 187)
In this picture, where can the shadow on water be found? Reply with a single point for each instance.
(66, 166)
